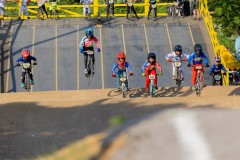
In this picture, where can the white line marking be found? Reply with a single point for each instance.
(145, 30)
(9, 56)
(193, 142)
(103, 85)
(56, 52)
(191, 33)
(33, 43)
(78, 78)
(169, 37)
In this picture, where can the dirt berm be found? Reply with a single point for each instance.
(80, 124)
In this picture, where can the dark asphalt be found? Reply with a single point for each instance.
(60, 65)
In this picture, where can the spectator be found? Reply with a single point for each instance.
(110, 6)
(196, 13)
(131, 7)
(24, 8)
(41, 5)
(88, 9)
(152, 2)
(2, 11)
(237, 45)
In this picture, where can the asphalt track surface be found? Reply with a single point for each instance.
(60, 65)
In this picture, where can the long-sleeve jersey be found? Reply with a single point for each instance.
(147, 65)
(28, 60)
(117, 67)
(218, 68)
(85, 42)
(174, 57)
(197, 59)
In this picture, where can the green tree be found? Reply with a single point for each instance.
(226, 20)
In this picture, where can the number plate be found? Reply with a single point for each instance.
(123, 79)
(177, 64)
(90, 52)
(86, 5)
(217, 77)
(26, 65)
(154, 6)
(130, 4)
(151, 77)
(53, 4)
(198, 67)
(111, 1)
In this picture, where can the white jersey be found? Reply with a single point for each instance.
(174, 57)
(2, 3)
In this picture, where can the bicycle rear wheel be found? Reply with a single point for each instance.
(27, 83)
(124, 91)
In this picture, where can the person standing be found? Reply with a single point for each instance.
(196, 13)
(2, 11)
(24, 8)
(237, 45)
(131, 7)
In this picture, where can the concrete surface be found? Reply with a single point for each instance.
(60, 67)
(40, 123)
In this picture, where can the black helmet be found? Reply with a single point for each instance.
(152, 55)
(178, 48)
(198, 49)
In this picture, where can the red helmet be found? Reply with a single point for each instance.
(121, 55)
(25, 53)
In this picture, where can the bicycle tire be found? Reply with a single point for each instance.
(27, 82)
(124, 91)
(178, 80)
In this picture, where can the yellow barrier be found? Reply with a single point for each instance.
(67, 13)
(228, 60)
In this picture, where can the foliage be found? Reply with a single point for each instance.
(227, 20)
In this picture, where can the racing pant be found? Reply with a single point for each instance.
(194, 75)
(147, 73)
(24, 73)
(121, 73)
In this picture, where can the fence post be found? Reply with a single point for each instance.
(146, 2)
(95, 3)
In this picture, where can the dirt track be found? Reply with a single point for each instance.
(35, 124)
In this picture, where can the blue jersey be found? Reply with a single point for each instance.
(28, 60)
(197, 59)
(218, 68)
(116, 67)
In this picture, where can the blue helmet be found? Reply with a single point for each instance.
(89, 32)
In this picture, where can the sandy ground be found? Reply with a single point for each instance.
(36, 124)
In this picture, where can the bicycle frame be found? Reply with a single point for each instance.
(152, 89)
(178, 66)
(199, 84)
(90, 63)
(26, 67)
(123, 79)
